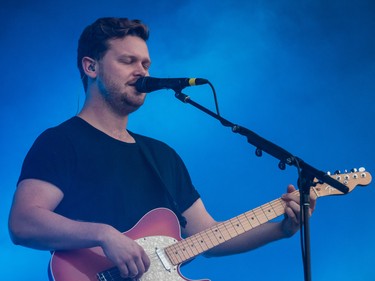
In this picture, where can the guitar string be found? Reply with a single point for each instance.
(262, 214)
(277, 207)
(114, 271)
(189, 250)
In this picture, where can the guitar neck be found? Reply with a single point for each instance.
(224, 231)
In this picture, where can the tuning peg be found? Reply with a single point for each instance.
(328, 173)
(354, 170)
(361, 169)
(258, 152)
(337, 172)
(281, 165)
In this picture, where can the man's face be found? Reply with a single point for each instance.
(125, 61)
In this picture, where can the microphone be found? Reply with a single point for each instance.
(149, 84)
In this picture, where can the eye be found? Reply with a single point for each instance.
(146, 66)
(126, 61)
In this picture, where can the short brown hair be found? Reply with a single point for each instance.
(94, 39)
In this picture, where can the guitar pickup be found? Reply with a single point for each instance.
(163, 258)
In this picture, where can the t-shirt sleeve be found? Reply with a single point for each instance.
(186, 193)
(49, 159)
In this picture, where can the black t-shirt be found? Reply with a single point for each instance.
(105, 180)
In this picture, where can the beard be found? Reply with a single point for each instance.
(120, 97)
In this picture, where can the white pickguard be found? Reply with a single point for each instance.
(158, 270)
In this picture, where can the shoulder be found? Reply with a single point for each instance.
(64, 131)
(72, 124)
(53, 141)
(61, 128)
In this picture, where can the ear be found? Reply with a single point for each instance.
(89, 67)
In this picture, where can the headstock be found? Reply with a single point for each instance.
(351, 180)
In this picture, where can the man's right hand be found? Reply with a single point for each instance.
(129, 257)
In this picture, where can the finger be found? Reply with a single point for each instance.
(146, 261)
(124, 272)
(140, 267)
(289, 197)
(143, 264)
(290, 214)
(293, 211)
(132, 269)
(291, 188)
(312, 204)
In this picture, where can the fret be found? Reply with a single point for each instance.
(226, 230)
(170, 252)
(262, 218)
(268, 211)
(190, 247)
(181, 251)
(208, 241)
(219, 234)
(245, 222)
(186, 250)
(278, 206)
(235, 227)
(197, 244)
(252, 218)
(202, 242)
(174, 254)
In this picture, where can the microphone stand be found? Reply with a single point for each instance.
(306, 173)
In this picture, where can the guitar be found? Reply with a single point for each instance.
(158, 232)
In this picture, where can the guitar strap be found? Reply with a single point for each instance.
(145, 150)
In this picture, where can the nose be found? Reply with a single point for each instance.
(141, 70)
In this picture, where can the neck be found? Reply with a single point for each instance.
(105, 120)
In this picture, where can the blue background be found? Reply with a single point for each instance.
(299, 73)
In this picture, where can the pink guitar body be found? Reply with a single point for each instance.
(156, 230)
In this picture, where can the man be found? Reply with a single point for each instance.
(88, 180)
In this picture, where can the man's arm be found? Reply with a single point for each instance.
(198, 219)
(33, 223)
